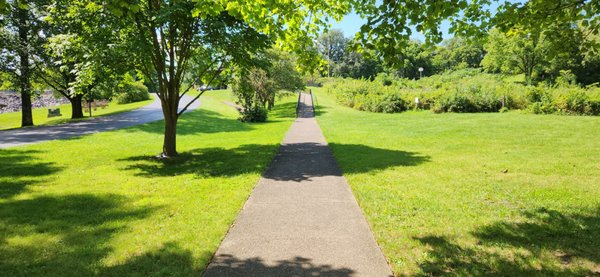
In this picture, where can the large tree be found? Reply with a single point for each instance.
(81, 52)
(22, 38)
(167, 35)
(332, 45)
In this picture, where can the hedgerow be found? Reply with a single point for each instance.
(462, 91)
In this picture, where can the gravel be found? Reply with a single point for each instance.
(10, 101)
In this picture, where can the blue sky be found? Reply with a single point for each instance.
(351, 23)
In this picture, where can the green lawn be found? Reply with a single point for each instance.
(101, 205)
(474, 194)
(40, 115)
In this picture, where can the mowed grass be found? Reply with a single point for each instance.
(509, 194)
(40, 115)
(102, 205)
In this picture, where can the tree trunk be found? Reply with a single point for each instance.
(76, 107)
(170, 139)
(25, 76)
(26, 113)
(170, 106)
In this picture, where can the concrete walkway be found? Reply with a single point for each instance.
(302, 218)
(149, 113)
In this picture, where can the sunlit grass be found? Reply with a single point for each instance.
(102, 205)
(474, 194)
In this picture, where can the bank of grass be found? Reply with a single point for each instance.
(509, 194)
(101, 205)
(40, 115)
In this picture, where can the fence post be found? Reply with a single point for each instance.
(298, 104)
(312, 101)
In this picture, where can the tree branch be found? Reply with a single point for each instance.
(200, 93)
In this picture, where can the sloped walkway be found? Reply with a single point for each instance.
(30, 135)
(302, 219)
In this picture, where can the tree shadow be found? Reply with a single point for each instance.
(21, 168)
(366, 159)
(204, 162)
(574, 235)
(228, 265)
(293, 162)
(210, 122)
(303, 161)
(169, 260)
(61, 235)
(566, 237)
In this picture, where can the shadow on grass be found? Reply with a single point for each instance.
(169, 260)
(357, 158)
(62, 235)
(197, 122)
(205, 162)
(296, 162)
(552, 240)
(20, 168)
(228, 265)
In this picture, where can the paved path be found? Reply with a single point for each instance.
(24, 136)
(301, 219)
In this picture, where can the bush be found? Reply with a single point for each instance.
(466, 90)
(468, 100)
(254, 114)
(130, 92)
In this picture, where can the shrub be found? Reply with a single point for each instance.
(254, 114)
(466, 90)
(391, 103)
(130, 92)
(468, 100)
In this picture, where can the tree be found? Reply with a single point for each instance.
(519, 52)
(388, 27)
(358, 65)
(414, 55)
(80, 51)
(167, 35)
(458, 52)
(256, 87)
(530, 52)
(332, 45)
(22, 41)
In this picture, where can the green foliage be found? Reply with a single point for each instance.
(468, 100)
(254, 114)
(130, 90)
(458, 53)
(256, 87)
(466, 90)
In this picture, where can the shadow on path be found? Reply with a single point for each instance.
(228, 265)
(555, 238)
(302, 161)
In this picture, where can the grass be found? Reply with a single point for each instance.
(40, 115)
(507, 194)
(102, 205)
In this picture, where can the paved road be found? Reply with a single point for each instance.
(302, 218)
(24, 136)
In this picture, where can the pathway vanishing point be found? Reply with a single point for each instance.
(302, 218)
